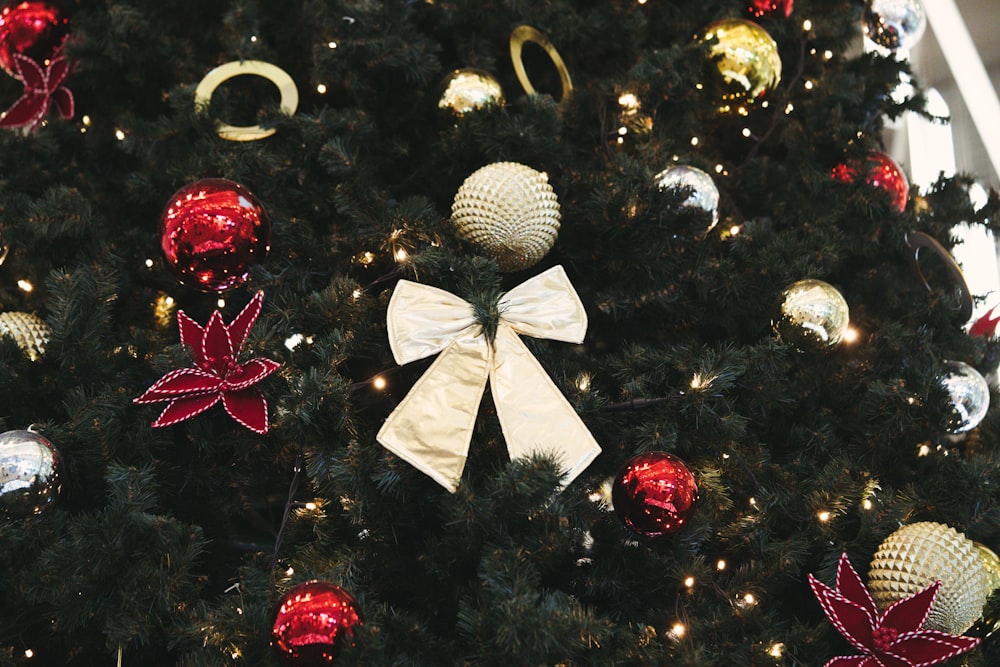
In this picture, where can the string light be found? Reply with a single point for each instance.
(721, 565)
(765, 104)
(719, 168)
(290, 571)
(294, 341)
(776, 650)
(379, 383)
(366, 258)
(119, 134)
(311, 506)
(331, 45)
(734, 230)
(85, 120)
(827, 55)
(401, 255)
(924, 450)
(753, 501)
(746, 132)
(678, 630)
(583, 384)
(628, 102)
(808, 84)
(790, 108)
(221, 303)
(823, 516)
(689, 582)
(253, 38)
(807, 25)
(321, 89)
(149, 263)
(867, 503)
(851, 335)
(28, 653)
(694, 141)
(749, 599)
(356, 294)
(25, 285)
(236, 652)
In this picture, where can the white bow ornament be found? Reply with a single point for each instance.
(432, 427)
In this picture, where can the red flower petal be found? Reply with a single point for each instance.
(909, 614)
(215, 342)
(192, 336)
(250, 373)
(63, 100)
(849, 585)
(851, 619)
(31, 73)
(180, 382)
(249, 408)
(986, 325)
(886, 659)
(27, 111)
(929, 647)
(185, 408)
(852, 661)
(57, 72)
(240, 326)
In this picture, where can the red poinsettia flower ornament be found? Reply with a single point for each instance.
(893, 638)
(42, 88)
(216, 375)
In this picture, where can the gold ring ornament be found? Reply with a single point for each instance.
(525, 33)
(279, 77)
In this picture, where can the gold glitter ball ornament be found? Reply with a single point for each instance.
(30, 332)
(814, 315)
(469, 89)
(747, 58)
(917, 555)
(509, 212)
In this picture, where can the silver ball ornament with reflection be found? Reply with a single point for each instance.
(704, 193)
(968, 393)
(894, 24)
(29, 473)
(813, 315)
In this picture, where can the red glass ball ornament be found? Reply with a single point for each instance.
(211, 232)
(761, 8)
(654, 494)
(315, 621)
(33, 29)
(879, 171)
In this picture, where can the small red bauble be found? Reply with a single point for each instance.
(315, 621)
(33, 29)
(211, 232)
(654, 494)
(879, 171)
(761, 8)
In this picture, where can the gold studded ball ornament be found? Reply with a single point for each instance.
(467, 90)
(509, 212)
(30, 332)
(747, 59)
(813, 315)
(917, 555)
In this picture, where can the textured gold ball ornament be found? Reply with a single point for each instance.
(813, 315)
(509, 212)
(917, 555)
(747, 58)
(30, 332)
(469, 89)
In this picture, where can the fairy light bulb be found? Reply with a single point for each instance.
(25, 285)
(689, 582)
(379, 383)
(823, 516)
(721, 565)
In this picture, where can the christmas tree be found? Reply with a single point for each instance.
(642, 332)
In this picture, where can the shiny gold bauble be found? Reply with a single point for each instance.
(813, 315)
(509, 212)
(30, 332)
(917, 555)
(469, 89)
(747, 58)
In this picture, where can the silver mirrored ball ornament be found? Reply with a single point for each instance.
(704, 193)
(29, 473)
(968, 394)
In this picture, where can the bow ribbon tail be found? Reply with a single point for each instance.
(535, 416)
(432, 427)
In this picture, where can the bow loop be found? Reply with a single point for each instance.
(432, 427)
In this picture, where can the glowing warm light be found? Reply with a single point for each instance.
(734, 230)
(622, 131)
(379, 383)
(221, 303)
(807, 25)
(678, 630)
(290, 571)
(25, 285)
(749, 599)
(120, 134)
(356, 294)
(628, 101)
(827, 55)
(765, 104)
(719, 168)
(924, 450)
(253, 38)
(321, 89)
(776, 650)
(699, 86)
(149, 263)
(747, 132)
(401, 255)
(367, 258)
(689, 582)
(823, 516)
(694, 141)
(851, 335)
(86, 120)
(721, 565)
(867, 504)
(753, 502)
(236, 652)
(28, 653)
(808, 85)
(583, 384)
(331, 45)
(697, 381)
(311, 506)
(725, 457)
(790, 108)
(294, 341)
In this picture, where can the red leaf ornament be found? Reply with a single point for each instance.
(42, 88)
(217, 376)
(893, 638)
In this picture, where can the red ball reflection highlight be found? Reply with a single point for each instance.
(33, 29)
(879, 171)
(212, 232)
(761, 8)
(654, 494)
(315, 621)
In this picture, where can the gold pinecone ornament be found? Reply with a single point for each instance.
(509, 212)
(29, 331)
(917, 555)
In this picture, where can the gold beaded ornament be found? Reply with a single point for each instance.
(29, 331)
(509, 212)
(469, 89)
(279, 77)
(917, 555)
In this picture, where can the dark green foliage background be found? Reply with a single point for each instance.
(162, 542)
